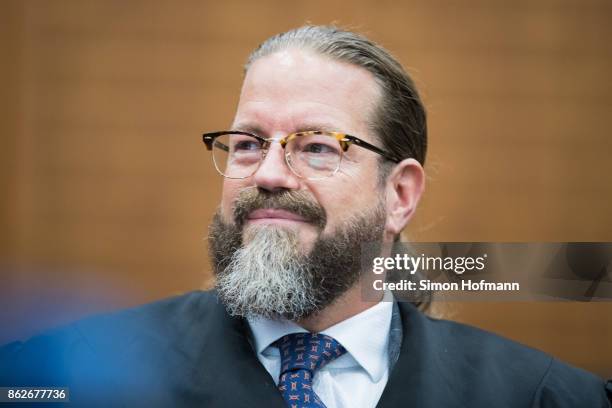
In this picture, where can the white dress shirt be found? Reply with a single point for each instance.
(355, 379)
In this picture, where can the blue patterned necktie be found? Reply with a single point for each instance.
(301, 355)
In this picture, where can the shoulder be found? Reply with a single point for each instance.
(504, 369)
(104, 341)
(169, 315)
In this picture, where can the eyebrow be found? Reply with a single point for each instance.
(304, 127)
(249, 128)
(316, 126)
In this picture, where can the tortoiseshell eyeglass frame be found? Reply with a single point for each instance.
(343, 139)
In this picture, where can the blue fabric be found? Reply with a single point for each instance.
(302, 354)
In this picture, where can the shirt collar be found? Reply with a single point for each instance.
(267, 331)
(365, 336)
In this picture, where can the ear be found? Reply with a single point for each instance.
(404, 187)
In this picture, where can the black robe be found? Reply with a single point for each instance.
(187, 352)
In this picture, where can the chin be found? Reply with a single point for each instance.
(303, 235)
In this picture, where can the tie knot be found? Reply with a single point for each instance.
(307, 351)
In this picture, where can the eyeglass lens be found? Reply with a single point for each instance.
(308, 155)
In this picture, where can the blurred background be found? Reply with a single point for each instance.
(107, 190)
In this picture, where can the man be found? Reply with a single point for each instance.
(324, 155)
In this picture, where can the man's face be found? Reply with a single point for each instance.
(295, 90)
(286, 246)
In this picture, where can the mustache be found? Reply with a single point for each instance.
(297, 202)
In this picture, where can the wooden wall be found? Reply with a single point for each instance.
(107, 191)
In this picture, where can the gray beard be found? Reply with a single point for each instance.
(271, 277)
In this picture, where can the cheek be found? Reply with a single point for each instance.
(231, 190)
(338, 202)
(352, 194)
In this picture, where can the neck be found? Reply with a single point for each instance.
(346, 306)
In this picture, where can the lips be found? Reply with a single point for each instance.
(274, 214)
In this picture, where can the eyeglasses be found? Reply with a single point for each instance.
(311, 155)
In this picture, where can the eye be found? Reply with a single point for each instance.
(318, 148)
(247, 145)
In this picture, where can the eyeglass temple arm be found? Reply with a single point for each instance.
(372, 148)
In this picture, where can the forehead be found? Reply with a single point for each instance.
(294, 89)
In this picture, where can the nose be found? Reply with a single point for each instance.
(273, 173)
